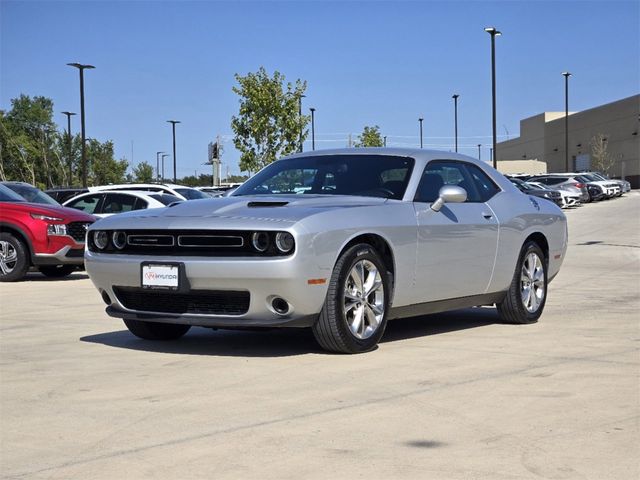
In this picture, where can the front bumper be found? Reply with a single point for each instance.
(67, 255)
(263, 278)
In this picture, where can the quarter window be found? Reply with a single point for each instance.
(484, 185)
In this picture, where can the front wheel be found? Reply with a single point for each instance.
(14, 260)
(527, 294)
(156, 330)
(353, 317)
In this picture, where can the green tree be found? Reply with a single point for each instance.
(143, 173)
(370, 137)
(268, 123)
(235, 179)
(601, 159)
(103, 168)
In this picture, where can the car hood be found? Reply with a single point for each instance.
(237, 212)
(50, 211)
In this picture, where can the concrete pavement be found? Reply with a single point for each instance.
(448, 396)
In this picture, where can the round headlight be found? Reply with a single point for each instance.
(260, 241)
(284, 242)
(100, 239)
(119, 240)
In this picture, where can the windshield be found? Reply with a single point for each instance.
(7, 195)
(31, 194)
(365, 175)
(520, 184)
(165, 198)
(191, 193)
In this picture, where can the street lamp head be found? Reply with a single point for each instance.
(455, 96)
(493, 31)
(312, 109)
(420, 119)
(174, 121)
(80, 65)
(566, 74)
(68, 113)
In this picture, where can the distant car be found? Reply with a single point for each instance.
(49, 237)
(610, 188)
(381, 234)
(569, 199)
(106, 203)
(552, 195)
(30, 193)
(565, 182)
(62, 194)
(182, 192)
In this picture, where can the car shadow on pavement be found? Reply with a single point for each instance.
(39, 277)
(285, 342)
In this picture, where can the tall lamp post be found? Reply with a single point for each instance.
(420, 122)
(313, 128)
(494, 33)
(173, 127)
(566, 119)
(455, 117)
(164, 155)
(69, 115)
(479, 146)
(158, 165)
(81, 68)
(300, 97)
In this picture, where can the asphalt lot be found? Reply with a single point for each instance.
(448, 396)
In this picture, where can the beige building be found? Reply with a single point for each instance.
(542, 137)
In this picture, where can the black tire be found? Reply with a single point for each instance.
(14, 258)
(512, 309)
(156, 330)
(331, 330)
(57, 271)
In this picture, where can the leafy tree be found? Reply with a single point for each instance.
(601, 159)
(235, 179)
(268, 123)
(143, 173)
(370, 137)
(103, 168)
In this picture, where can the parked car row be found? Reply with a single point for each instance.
(37, 232)
(571, 189)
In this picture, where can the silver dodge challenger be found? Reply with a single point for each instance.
(341, 241)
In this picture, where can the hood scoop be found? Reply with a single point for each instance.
(266, 204)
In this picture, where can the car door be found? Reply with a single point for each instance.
(456, 246)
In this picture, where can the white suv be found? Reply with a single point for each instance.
(180, 191)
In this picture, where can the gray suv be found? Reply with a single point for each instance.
(564, 182)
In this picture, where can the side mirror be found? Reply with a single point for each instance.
(449, 194)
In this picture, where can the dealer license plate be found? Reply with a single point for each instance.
(160, 276)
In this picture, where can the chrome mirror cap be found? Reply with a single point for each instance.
(449, 194)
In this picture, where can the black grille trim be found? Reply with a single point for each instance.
(78, 230)
(196, 302)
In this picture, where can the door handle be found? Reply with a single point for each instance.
(487, 215)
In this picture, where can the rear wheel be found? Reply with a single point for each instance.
(353, 317)
(527, 293)
(156, 330)
(57, 271)
(14, 261)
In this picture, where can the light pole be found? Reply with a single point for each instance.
(158, 165)
(300, 97)
(313, 128)
(384, 140)
(81, 68)
(494, 33)
(479, 145)
(173, 126)
(455, 117)
(69, 114)
(566, 119)
(164, 155)
(420, 122)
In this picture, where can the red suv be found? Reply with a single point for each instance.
(48, 237)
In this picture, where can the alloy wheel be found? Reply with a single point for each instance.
(532, 285)
(363, 300)
(8, 257)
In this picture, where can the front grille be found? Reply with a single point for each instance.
(208, 302)
(78, 230)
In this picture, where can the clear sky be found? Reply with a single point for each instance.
(380, 63)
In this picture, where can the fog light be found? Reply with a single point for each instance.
(100, 239)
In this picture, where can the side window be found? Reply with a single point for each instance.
(140, 204)
(484, 185)
(118, 203)
(440, 173)
(88, 204)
